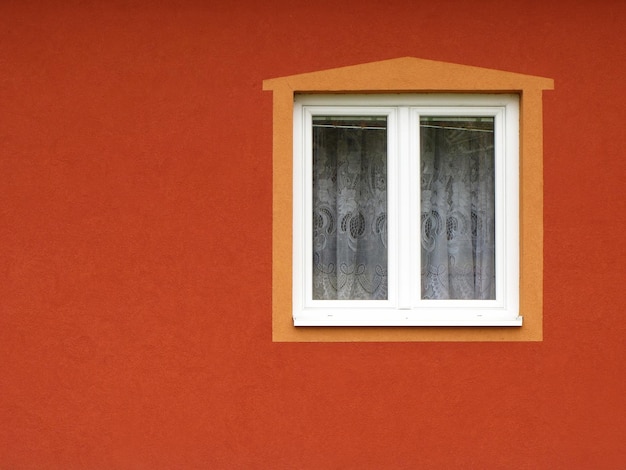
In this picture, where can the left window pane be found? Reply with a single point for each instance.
(349, 207)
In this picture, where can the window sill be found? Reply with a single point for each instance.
(403, 320)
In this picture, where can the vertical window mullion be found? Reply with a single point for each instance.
(404, 210)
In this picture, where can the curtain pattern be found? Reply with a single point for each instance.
(349, 210)
(457, 210)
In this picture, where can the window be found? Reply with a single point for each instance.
(404, 112)
(406, 210)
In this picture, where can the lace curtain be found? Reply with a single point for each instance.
(457, 209)
(350, 209)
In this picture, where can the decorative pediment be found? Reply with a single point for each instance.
(409, 74)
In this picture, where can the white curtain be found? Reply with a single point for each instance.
(349, 209)
(457, 209)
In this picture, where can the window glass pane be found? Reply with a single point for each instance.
(349, 207)
(457, 208)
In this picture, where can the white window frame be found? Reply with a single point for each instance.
(404, 306)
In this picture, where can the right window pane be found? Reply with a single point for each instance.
(457, 208)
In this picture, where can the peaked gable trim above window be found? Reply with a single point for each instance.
(404, 75)
(409, 74)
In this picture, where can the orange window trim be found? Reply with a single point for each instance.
(411, 75)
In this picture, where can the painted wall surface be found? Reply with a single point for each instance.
(135, 245)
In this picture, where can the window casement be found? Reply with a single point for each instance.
(407, 203)
(405, 210)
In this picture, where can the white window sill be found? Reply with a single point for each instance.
(402, 320)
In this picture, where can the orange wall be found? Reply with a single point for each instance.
(135, 245)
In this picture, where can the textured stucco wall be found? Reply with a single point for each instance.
(135, 245)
